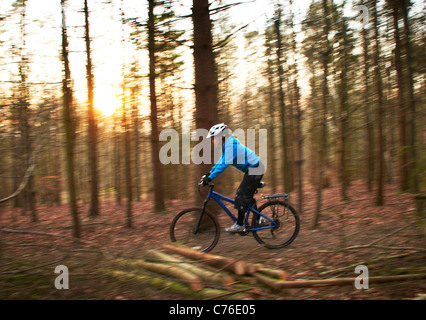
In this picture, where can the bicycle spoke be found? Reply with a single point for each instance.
(184, 225)
(284, 228)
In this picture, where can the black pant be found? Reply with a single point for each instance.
(245, 192)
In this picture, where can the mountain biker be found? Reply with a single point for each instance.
(236, 154)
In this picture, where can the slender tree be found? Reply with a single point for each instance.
(25, 115)
(323, 161)
(155, 147)
(296, 94)
(379, 107)
(343, 89)
(92, 125)
(414, 179)
(127, 157)
(369, 153)
(402, 110)
(271, 93)
(69, 126)
(282, 102)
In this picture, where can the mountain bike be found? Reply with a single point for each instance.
(275, 224)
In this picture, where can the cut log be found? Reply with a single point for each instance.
(251, 268)
(175, 287)
(223, 263)
(172, 271)
(348, 281)
(273, 273)
(204, 274)
(271, 283)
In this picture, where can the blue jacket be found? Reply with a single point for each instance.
(236, 154)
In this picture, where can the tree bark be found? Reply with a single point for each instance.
(379, 108)
(69, 128)
(127, 162)
(299, 133)
(323, 162)
(344, 110)
(206, 84)
(403, 152)
(155, 146)
(367, 110)
(414, 179)
(284, 139)
(92, 126)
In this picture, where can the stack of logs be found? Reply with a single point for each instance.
(185, 271)
(197, 275)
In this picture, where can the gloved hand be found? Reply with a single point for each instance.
(205, 180)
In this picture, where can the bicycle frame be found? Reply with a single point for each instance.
(218, 198)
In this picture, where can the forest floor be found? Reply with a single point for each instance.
(386, 239)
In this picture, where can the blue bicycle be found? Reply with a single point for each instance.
(275, 224)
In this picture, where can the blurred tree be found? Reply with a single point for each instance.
(402, 110)
(369, 152)
(317, 48)
(69, 126)
(344, 60)
(155, 147)
(92, 142)
(270, 88)
(206, 84)
(22, 112)
(379, 106)
(163, 41)
(298, 109)
(414, 172)
(287, 169)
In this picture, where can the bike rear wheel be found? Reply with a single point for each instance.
(287, 224)
(184, 224)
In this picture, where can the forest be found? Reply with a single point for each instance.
(88, 89)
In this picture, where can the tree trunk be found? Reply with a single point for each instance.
(127, 162)
(136, 155)
(367, 110)
(414, 179)
(92, 126)
(69, 128)
(206, 83)
(117, 160)
(344, 111)
(286, 165)
(403, 152)
(24, 114)
(323, 163)
(155, 146)
(299, 134)
(380, 111)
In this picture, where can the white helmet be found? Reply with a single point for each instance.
(217, 130)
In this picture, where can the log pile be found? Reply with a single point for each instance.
(199, 275)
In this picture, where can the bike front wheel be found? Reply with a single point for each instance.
(183, 229)
(283, 229)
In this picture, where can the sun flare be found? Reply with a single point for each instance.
(106, 100)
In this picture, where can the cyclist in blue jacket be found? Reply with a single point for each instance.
(236, 154)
